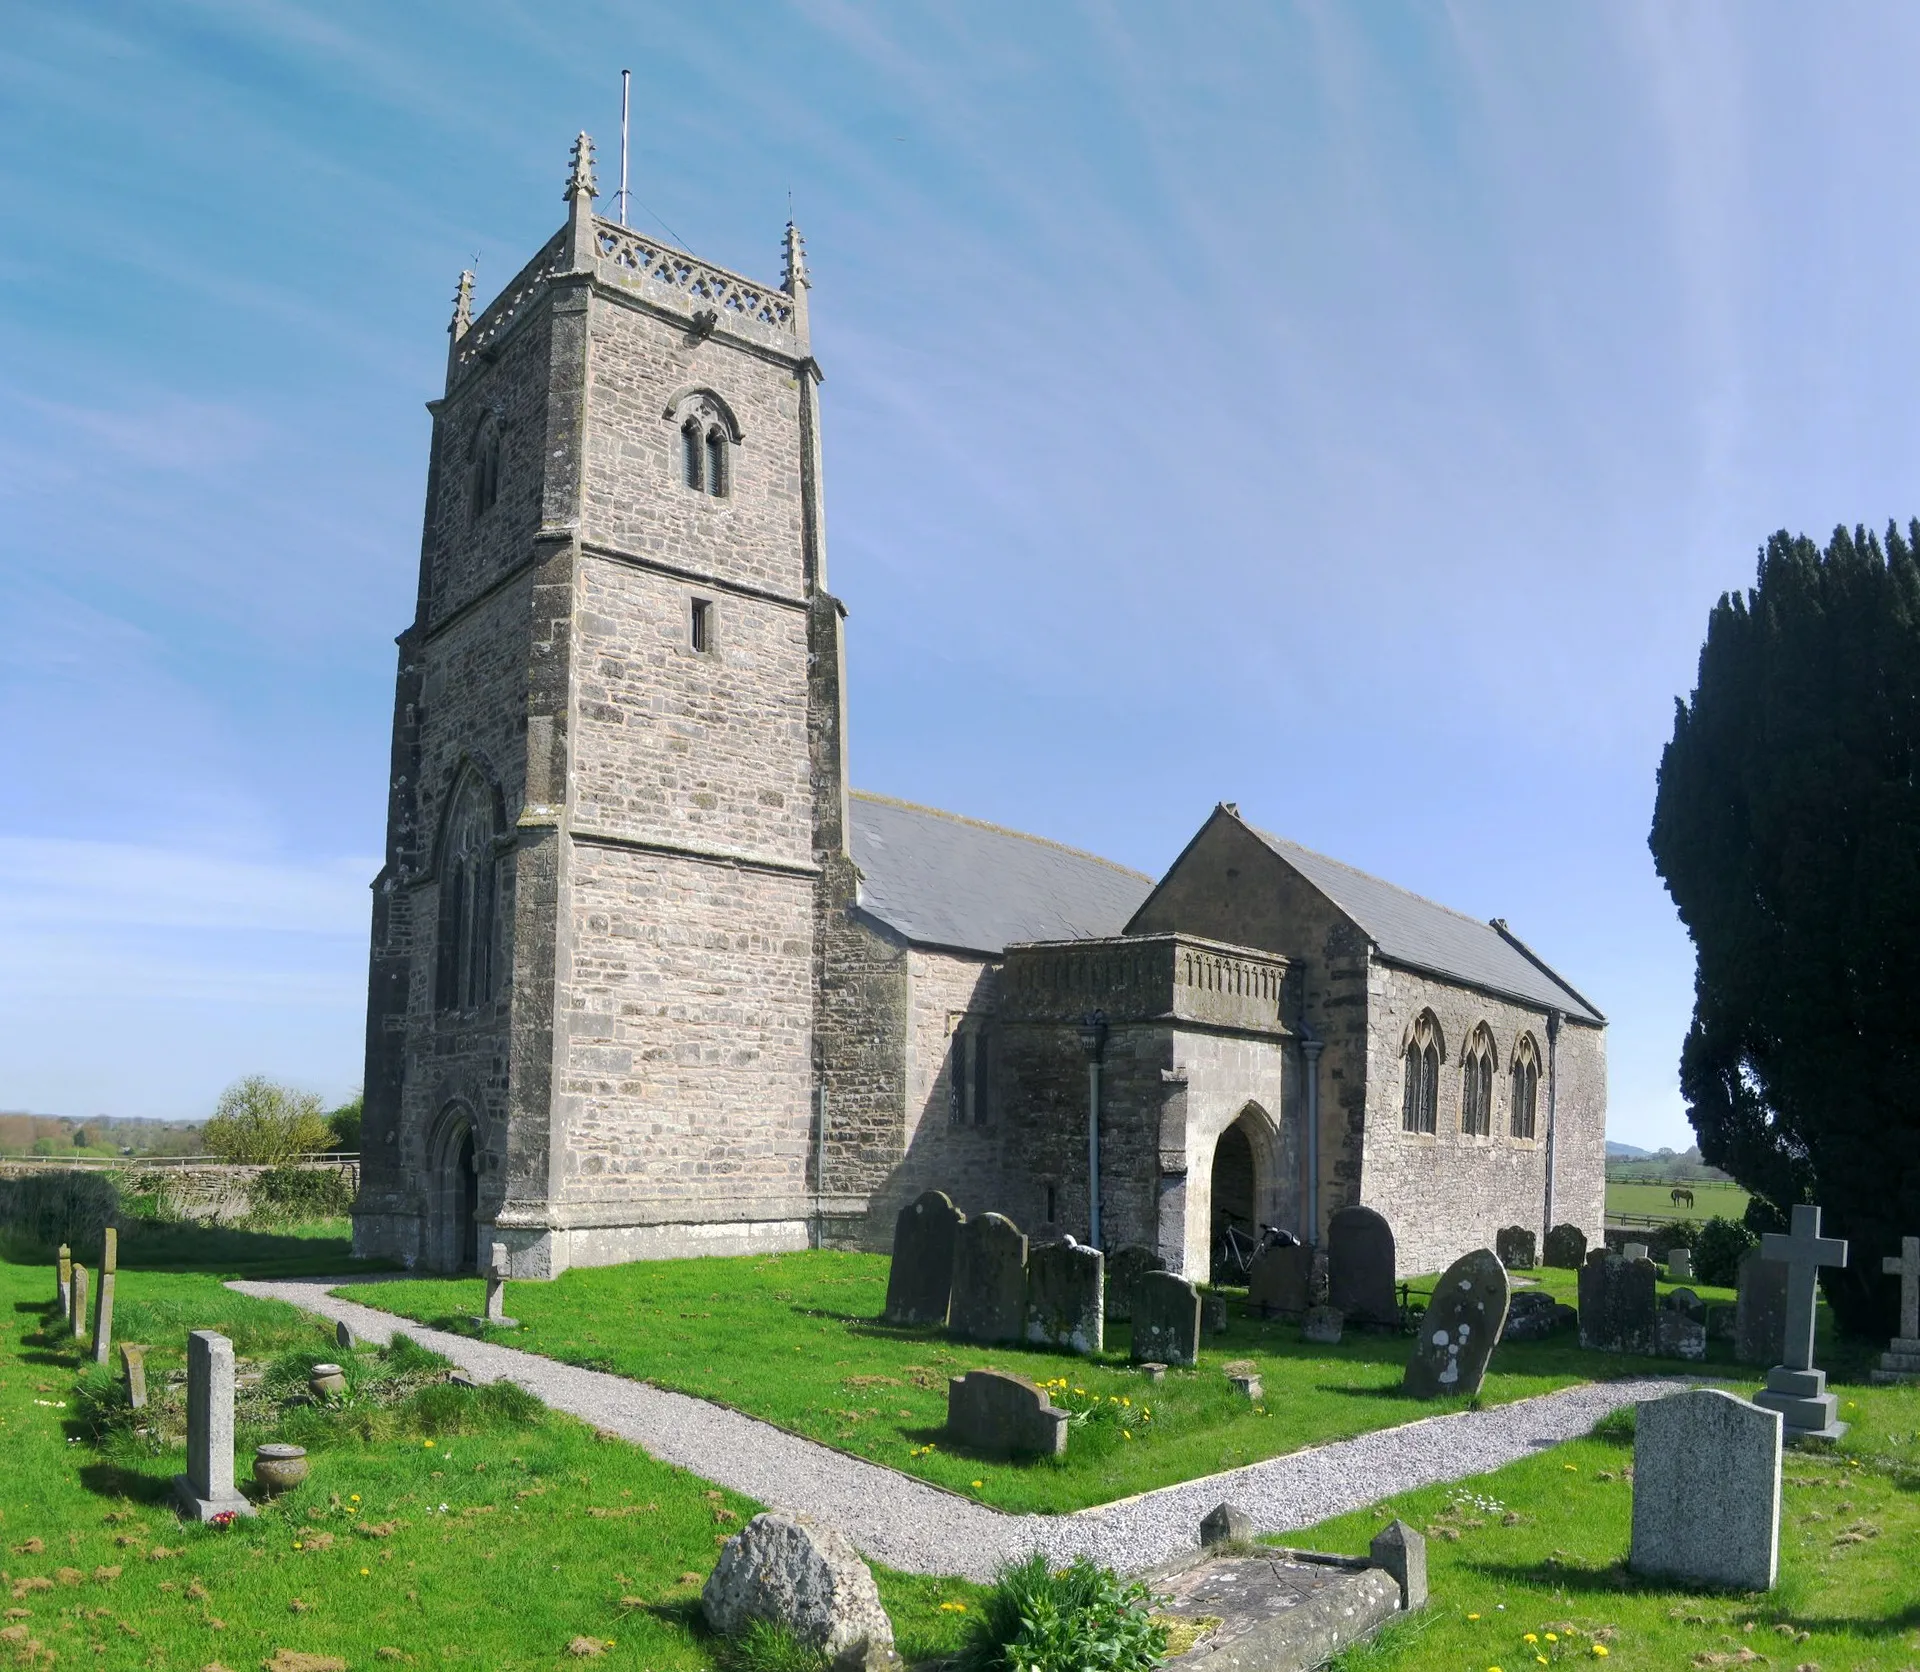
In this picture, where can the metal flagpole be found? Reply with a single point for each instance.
(626, 82)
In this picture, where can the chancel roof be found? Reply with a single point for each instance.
(942, 880)
(1417, 932)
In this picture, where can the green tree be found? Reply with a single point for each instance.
(260, 1122)
(1786, 827)
(344, 1124)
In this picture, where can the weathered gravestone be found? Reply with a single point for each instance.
(1760, 1313)
(1680, 1264)
(499, 1263)
(1226, 1524)
(1166, 1320)
(77, 1323)
(1213, 1312)
(1066, 1297)
(1901, 1361)
(1360, 1268)
(999, 1415)
(103, 1302)
(1617, 1303)
(1635, 1251)
(989, 1303)
(1794, 1388)
(343, 1336)
(1402, 1552)
(1680, 1326)
(1323, 1326)
(1456, 1337)
(66, 1281)
(1566, 1247)
(133, 1365)
(1515, 1246)
(790, 1571)
(920, 1279)
(1706, 1491)
(207, 1488)
(1277, 1281)
(1533, 1315)
(1126, 1265)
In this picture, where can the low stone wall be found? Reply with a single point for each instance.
(213, 1190)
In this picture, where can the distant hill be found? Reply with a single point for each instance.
(1626, 1152)
(26, 1134)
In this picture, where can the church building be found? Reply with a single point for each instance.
(648, 979)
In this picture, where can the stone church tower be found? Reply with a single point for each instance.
(618, 787)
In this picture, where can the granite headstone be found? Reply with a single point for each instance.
(1706, 1491)
(920, 1279)
(1277, 1281)
(1566, 1247)
(1126, 1265)
(207, 1488)
(1515, 1246)
(1760, 1312)
(999, 1415)
(1617, 1303)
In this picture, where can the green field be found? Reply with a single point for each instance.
(796, 1339)
(1710, 1201)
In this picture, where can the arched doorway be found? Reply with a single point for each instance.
(453, 1194)
(1252, 1181)
(1233, 1182)
(466, 1226)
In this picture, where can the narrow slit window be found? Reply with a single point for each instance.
(957, 1078)
(981, 1079)
(1053, 1203)
(717, 463)
(690, 454)
(700, 629)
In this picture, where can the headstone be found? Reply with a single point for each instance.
(499, 1263)
(1634, 1251)
(1760, 1319)
(1360, 1273)
(1685, 1300)
(207, 1489)
(1566, 1247)
(1722, 1319)
(78, 1322)
(66, 1281)
(1617, 1303)
(1155, 1373)
(133, 1365)
(103, 1302)
(920, 1279)
(1247, 1384)
(1323, 1325)
(1166, 1320)
(1462, 1325)
(1706, 1491)
(1126, 1265)
(999, 1415)
(1533, 1315)
(1066, 1297)
(1794, 1388)
(1680, 1264)
(343, 1336)
(1678, 1334)
(1277, 1281)
(789, 1570)
(1515, 1246)
(1213, 1312)
(989, 1302)
(1226, 1524)
(1401, 1551)
(1901, 1361)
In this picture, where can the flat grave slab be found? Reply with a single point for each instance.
(1270, 1611)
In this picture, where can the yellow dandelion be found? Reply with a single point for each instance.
(298, 1545)
(1531, 1637)
(1552, 1638)
(1473, 1616)
(979, 1483)
(1079, 1390)
(1126, 1433)
(355, 1497)
(364, 1572)
(428, 1444)
(1600, 1649)
(1571, 1468)
(1125, 1401)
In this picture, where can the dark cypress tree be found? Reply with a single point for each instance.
(1786, 827)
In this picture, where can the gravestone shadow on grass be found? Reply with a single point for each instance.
(117, 1481)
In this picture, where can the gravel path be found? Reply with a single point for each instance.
(918, 1528)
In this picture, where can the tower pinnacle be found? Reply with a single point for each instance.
(581, 181)
(462, 306)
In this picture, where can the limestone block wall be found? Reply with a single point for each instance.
(1227, 1079)
(1447, 1192)
(861, 1049)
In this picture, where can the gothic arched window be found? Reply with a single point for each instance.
(469, 887)
(1526, 1086)
(692, 450)
(1476, 1085)
(708, 433)
(483, 466)
(1420, 1108)
(717, 462)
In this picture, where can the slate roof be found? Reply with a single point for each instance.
(1414, 931)
(942, 880)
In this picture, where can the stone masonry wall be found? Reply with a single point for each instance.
(944, 991)
(860, 1045)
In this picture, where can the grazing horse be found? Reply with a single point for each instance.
(1683, 1198)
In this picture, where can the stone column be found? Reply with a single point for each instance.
(103, 1302)
(207, 1488)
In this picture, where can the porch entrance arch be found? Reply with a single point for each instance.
(1253, 1178)
(453, 1193)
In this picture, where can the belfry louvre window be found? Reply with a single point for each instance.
(1526, 1087)
(1420, 1108)
(692, 454)
(704, 464)
(1476, 1085)
(464, 965)
(716, 463)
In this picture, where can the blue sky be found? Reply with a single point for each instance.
(1348, 411)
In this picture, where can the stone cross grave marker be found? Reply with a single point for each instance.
(66, 1281)
(1360, 1272)
(207, 1488)
(499, 1263)
(1458, 1334)
(920, 1278)
(1901, 1361)
(999, 1415)
(1794, 1388)
(1706, 1490)
(1066, 1297)
(77, 1322)
(989, 1302)
(103, 1302)
(133, 1365)
(1166, 1320)
(1760, 1312)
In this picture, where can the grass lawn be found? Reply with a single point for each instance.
(1710, 1201)
(1539, 1547)
(795, 1339)
(440, 1525)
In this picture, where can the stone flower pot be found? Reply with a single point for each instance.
(328, 1381)
(279, 1468)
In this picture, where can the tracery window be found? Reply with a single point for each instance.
(469, 887)
(483, 466)
(1476, 1085)
(1526, 1087)
(708, 433)
(1420, 1108)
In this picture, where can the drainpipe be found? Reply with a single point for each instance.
(1093, 1040)
(820, 1166)
(1310, 1049)
(1553, 1090)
